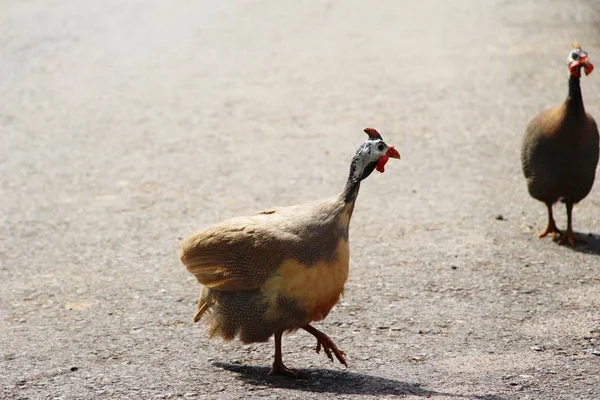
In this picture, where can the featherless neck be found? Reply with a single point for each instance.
(351, 190)
(353, 182)
(574, 100)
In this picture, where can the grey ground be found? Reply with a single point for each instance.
(125, 125)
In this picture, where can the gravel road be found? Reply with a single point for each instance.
(126, 125)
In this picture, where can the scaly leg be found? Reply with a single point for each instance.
(551, 228)
(328, 346)
(568, 236)
(278, 367)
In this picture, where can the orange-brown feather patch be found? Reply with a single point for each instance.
(315, 288)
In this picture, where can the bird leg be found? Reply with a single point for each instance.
(568, 236)
(278, 367)
(551, 228)
(326, 343)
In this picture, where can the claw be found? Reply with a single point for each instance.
(569, 238)
(282, 370)
(551, 230)
(325, 342)
(330, 349)
(326, 349)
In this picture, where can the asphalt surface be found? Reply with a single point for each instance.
(126, 125)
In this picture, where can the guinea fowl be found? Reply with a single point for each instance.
(281, 269)
(560, 151)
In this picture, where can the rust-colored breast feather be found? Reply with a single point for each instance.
(315, 288)
(278, 269)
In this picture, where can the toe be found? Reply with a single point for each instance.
(284, 371)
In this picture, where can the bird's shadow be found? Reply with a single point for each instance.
(591, 247)
(340, 382)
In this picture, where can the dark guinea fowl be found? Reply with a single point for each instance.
(560, 151)
(281, 269)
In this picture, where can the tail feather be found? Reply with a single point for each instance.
(244, 315)
(205, 303)
(201, 310)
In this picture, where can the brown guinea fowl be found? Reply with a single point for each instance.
(560, 151)
(281, 269)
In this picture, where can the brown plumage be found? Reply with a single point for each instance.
(281, 269)
(560, 151)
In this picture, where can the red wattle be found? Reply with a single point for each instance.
(381, 163)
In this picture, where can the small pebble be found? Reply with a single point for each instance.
(500, 217)
(73, 369)
(537, 348)
(453, 267)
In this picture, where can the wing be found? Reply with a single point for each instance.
(243, 253)
(237, 254)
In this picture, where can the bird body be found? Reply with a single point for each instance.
(273, 255)
(560, 155)
(560, 150)
(280, 269)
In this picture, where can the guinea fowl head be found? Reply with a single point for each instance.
(578, 59)
(372, 154)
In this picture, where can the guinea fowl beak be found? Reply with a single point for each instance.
(393, 153)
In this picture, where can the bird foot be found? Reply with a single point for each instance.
(281, 370)
(551, 230)
(569, 237)
(325, 342)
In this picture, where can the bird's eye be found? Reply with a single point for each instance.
(380, 147)
(574, 56)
